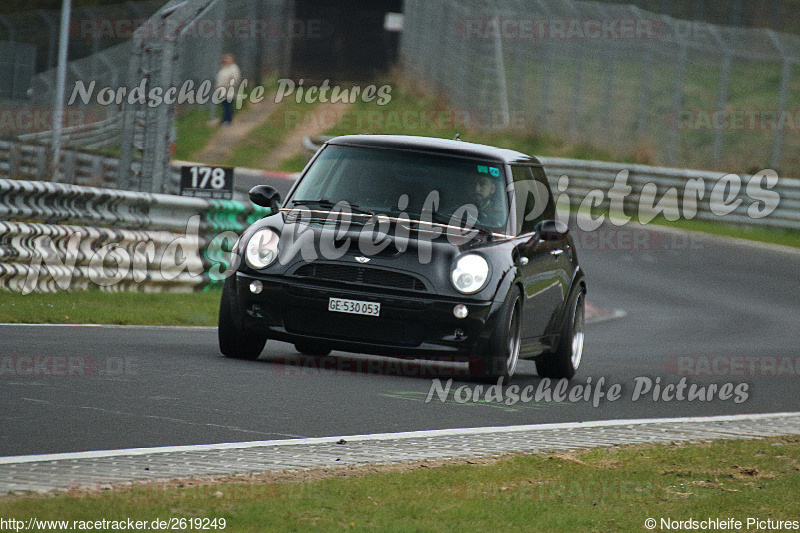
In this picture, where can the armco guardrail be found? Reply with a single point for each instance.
(30, 160)
(654, 182)
(95, 135)
(57, 236)
(587, 176)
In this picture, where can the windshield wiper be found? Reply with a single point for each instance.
(320, 203)
(435, 217)
(330, 205)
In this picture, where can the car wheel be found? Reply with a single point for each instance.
(233, 342)
(565, 360)
(503, 349)
(312, 348)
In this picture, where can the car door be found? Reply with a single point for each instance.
(543, 264)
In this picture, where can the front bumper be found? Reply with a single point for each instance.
(410, 324)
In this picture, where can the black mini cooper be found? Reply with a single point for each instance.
(411, 247)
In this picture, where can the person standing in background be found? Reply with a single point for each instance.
(229, 77)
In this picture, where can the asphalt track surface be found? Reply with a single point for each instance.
(732, 309)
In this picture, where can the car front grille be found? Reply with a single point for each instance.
(360, 274)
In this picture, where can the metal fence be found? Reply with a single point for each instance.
(159, 43)
(17, 64)
(641, 85)
(772, 14)
(92, 29)
(183, 42)
(98, 47)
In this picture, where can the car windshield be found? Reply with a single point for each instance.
(391, 182)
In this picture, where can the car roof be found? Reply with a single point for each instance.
(432, 145)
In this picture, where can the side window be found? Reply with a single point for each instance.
(532, 197)
(549, 211)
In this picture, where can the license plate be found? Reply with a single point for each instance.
(355, 307)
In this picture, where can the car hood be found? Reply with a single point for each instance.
(427, 252)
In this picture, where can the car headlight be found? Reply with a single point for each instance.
(470, 273)
(262, 249)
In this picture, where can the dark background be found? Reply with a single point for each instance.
(352, 44)
(775, 14)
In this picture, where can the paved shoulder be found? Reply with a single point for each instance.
(83, 469)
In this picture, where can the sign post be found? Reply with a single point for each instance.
(205, 181)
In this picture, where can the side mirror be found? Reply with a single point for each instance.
(551, 230)
(266, 196)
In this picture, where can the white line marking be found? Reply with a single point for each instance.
(98, 454)
(616, 313)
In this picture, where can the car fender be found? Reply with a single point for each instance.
(229, 292)
(507, 280)
(578, 283)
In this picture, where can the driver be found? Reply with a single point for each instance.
(485, 199)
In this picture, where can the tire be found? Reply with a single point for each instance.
(312, 348)
(502, 354)
(233, 342)
(565, 360)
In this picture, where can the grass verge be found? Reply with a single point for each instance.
(416, 110)
(194, 131)
(781, 237)
(195, 127)
(296, 163)
(765, 235)
(253, 149)
(98, 307)
(614, 489)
